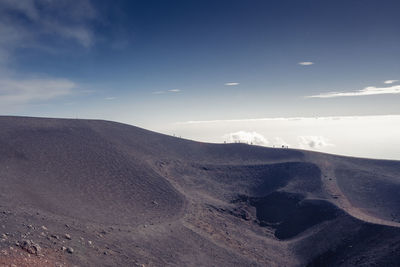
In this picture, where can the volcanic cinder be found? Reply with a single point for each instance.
(100, 193)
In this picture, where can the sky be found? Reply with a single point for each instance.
(319, 75)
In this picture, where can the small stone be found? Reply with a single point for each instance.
(90, 242)
(67, 236)
(55, 236)
(70, 250)
(63, 248)
(44, 228)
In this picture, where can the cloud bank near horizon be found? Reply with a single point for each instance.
(246, 137)
(313, 142)
(326, 118)
(370, 90)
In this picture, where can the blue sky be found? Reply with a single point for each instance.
(158, 63)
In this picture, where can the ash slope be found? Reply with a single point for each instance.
(118, 195)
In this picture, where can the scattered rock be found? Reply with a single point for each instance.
(30, 247)
(67, 236)
(70, 250)
(44, 228)
(55, 236)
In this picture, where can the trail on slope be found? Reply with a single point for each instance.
(337, 197)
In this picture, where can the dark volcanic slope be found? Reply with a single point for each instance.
(98, 193)
(67, 168)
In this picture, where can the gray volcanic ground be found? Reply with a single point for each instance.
(99, 193)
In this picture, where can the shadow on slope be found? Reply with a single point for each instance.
(290, 214)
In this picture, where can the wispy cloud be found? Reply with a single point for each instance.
(306, 63)
(110, 98)
(313, 142)
(28, 22)
(246, 137)
(166, 91)
(231, 84)
(33, 90)
(390, 81)
(25, 24)
(371, 90)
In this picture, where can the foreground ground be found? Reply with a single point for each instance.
(97, 193)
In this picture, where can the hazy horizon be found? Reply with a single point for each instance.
(309, 74)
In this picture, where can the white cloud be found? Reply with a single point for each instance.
(371, 90)
(167, 91)
(231, 84)
(306, 63)
(390, 81)
(26, 91)
(110, 98)
(313, 142)
(246, 137)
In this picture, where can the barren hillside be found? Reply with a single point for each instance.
(99, 193)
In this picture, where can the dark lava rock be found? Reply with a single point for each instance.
(30, 247)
